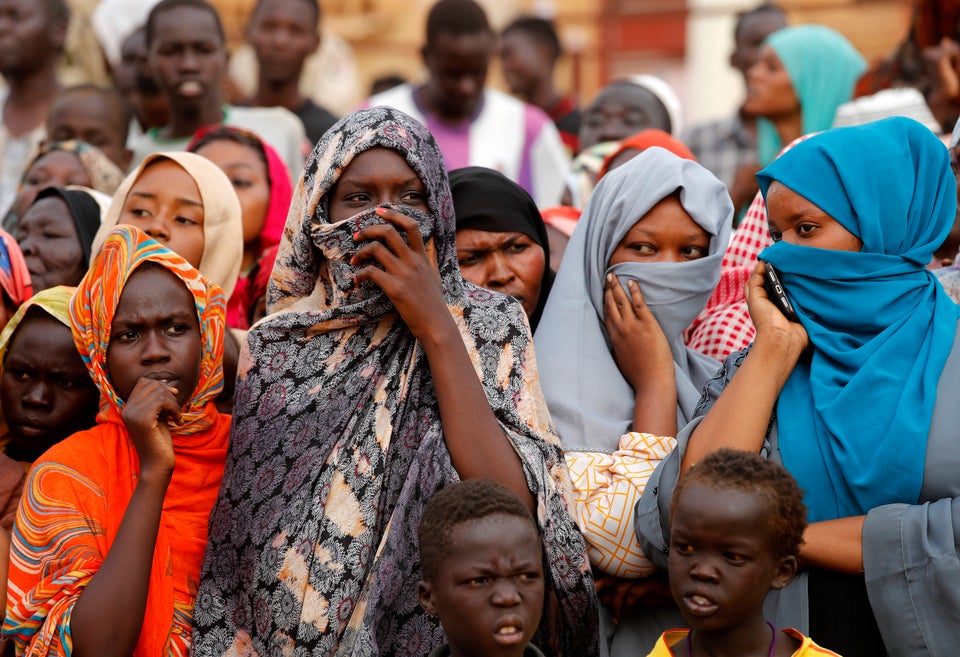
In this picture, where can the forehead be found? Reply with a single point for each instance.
(165, 174)
(152, 286)
(223, 151)
(273, 9)
(48, 208)
(626, 97)
(754, 29)
(44, 330)
(185, 23)
(86, 106)
(379, 162)
(58, 159)
(25, 7)
(470, 45)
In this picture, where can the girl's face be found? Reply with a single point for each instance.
(770, 91)
(665, 234)
(155, 334)
(45, 390)
(50, 244)
(165, 203)
(247, 172)
(55, 169)
(376, 176)
(795, 220)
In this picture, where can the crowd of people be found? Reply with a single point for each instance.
(467, 372)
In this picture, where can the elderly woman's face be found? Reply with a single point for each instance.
(796, 220)
(376, 176)
(511, 263)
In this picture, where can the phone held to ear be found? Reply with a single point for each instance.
(774, 288)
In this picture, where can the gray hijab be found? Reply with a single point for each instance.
(590, 401)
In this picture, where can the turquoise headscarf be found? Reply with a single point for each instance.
(824, 68)
(853, 418)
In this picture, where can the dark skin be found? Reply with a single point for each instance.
(283, 33)
(404, 269)
(31, 73)
(159, 335)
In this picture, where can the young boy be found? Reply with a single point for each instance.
(482, 570)
(737, 522)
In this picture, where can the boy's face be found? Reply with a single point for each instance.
(283, 34)
(488, 592)
(90, 118)
(187, 56)
(458, 66)
(721, 557)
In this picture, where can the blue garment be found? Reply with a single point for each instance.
(823, 68)
(854, 416)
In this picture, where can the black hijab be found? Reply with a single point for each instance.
(84, 211)
(485, 199)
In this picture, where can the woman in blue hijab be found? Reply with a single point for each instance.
(803, 75)
(861, 391)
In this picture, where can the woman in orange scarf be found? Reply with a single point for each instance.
(110, 534)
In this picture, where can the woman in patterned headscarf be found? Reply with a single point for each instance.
(378, 377)
(63, 163)
(110, 533)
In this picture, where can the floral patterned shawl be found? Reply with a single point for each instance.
(337, 442)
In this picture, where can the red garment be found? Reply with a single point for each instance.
(648, 139)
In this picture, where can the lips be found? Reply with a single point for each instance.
(29, 428)
(698, 603)
(168, 378)
(190, 88)
(509, 631)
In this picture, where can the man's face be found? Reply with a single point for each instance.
(283, 34)
(458, 66)
(28, 38)
(187, 56)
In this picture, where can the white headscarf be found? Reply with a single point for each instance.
(589, 400)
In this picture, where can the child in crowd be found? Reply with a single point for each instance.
(482, 570)
(737, 522)
(111, 530)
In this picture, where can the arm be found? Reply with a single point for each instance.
(478, 446)
(834, 545)
(116, 596)
(643, 355)
(748, 401)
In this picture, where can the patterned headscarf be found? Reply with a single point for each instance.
(337, 442)
(105, 175)
(14, 275)
(95, 304)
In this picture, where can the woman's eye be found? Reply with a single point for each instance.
(126, 336)
(177, 329)
(806, 229)
(19, 375)
(413, 197)
(66, 384)
(241, 184)
(775, 234)
(186, 221)
(694, 252)
(517, 248)
(528, 577)
(137, 212)
(643, 248)
(469, 260)
(357, 198)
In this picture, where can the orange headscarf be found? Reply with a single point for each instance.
(78, 491)
(644, 140)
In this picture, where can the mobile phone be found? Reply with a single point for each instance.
(771, 282)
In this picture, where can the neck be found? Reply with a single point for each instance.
(282, 93)
(543, 95)
(789, 127)
(185, 121)
(748, 639)
(37, 87)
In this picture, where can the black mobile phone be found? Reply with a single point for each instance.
(771, 282)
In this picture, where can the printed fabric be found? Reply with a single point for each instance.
(337, 443)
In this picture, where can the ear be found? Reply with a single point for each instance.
(786, 571)
(424, 593)
(127, 158)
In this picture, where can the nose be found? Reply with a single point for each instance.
(28, 247)
(188, 60)
(505, 593)
(36, 395)
(703, 571)
(754, 72)
(499, 273)
(157, 226)
(153, 348)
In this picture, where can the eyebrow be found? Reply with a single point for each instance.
(153, 197)
(366, 182)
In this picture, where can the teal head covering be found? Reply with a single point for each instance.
(853, 418)
(824, 68)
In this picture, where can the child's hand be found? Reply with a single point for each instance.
(640, 348)
(406, 273)
(149, 410)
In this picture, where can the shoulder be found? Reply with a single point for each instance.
(807, 648)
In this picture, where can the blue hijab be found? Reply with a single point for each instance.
(853, 418)
(824, 68)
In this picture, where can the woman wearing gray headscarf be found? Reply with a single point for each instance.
(616, 374)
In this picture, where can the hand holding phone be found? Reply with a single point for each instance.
(776, 293)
